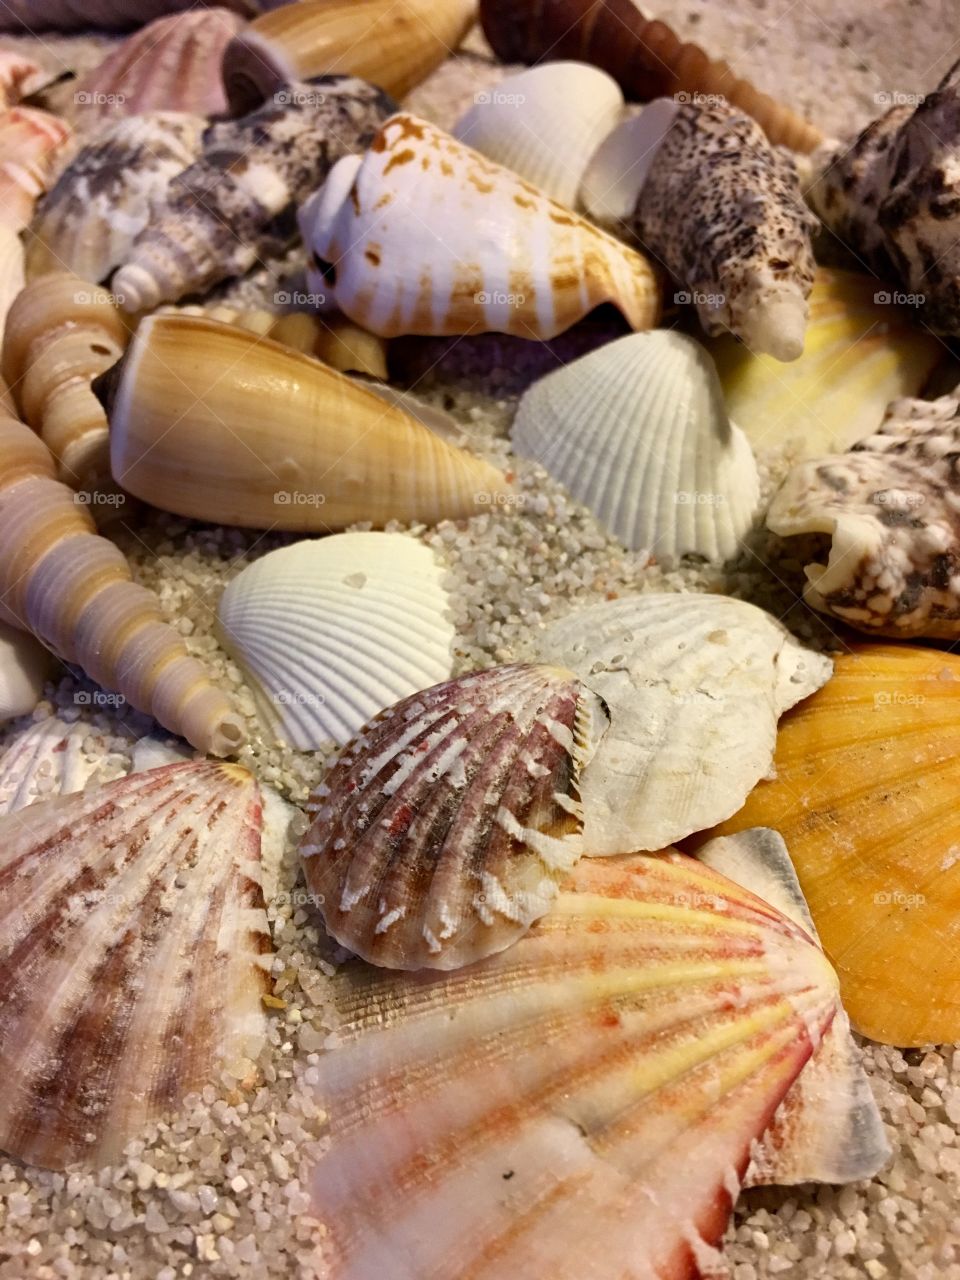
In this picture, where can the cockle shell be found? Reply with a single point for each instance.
(860, 352)
(710, 198)
(24, 666)
(135, 953)
(103, 199)
(45, 760)
(645, 57)
(237, 201)
(250, 433)
(394, 239)
(19, 77)
(443, 829)
(392, 43)
(332, 631)
(865, 796)
(32, 145)
(891, 509)
(545, 124)
(583, 1104)
(638, 432)
(111, 15)
(695, 685)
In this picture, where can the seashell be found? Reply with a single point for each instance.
(24, 667)
(695, 685)
(235, 203)
(392, 43)
(545, 124)
(172, 64)
(136, 951)
(568, 1108)
(11, 279)
(891, 510)
(864, 794)
(45, 760)
(103, 199)
(645, 57)
(32, 145)
(329, 633)
(20, 77)
(858, 356)
(444, 828)
(109, 15)
(638, 432)
(254, 434)
(394, 238)
(73, 591)
(721, 209)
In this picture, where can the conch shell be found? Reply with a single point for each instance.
(393, 237)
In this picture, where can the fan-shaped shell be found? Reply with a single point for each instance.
(331, 632)
(695, 685)
(638, 432)
(24, 666)
(32, 144)
(545, 124)
(133, 937)
(444, 827)
(47, 759)
(582, 1105)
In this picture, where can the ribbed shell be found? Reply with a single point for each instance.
(44, 760)
(134, 946)
(695, 685)
(24, 666)
(32, 145)
(394, 241)
(444, 827)
(581, 1106)
(637, 431)
(111, 15)
(331, 632)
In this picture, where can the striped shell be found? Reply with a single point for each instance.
(32, 145)
(444, 827)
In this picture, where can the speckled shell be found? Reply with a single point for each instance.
(891, 508)
(24, 666)
(32, 145)
(235, 204)
(135, 951)
(583, 1104)
(695, 685)
(638, 432)
(45, 760)
(110, 15)
(443, 829)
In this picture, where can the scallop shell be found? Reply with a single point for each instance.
(637, 431)
(110, 15)
(393, 239)
(32, 145)
(583, 1104)
(545, 124)
(47, 759)
(445, 826)
(331, 632)
(104, 198)
(135, 952)
(24, 667)
(695, 685)
(865, 796)
(859, 354)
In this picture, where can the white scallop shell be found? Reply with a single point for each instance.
(330, 632)
(695, 685)
(545, 124)
(24, 666)
(638, 432)
(47, 759)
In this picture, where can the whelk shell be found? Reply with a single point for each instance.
(393, 238)
(24, 666)
(443, 829)
(332, 631)
(638, 432)
(32, 145)
(135, 952)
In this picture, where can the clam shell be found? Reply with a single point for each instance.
(134, 939)
(545, 124)
(24, 667)
(32, 145)
(331, 632)
(695, 685)
(47, 759)
(393, 239)
(584, 1104)
(444, 827)
(864, 794)
(637, 431)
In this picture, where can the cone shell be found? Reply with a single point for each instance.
(859, 354)
(392, 43)
(583, 1104)
(545, 124)
(330, 632)
(695, 685)
(136, 950)
(24, 666)
(45, 760)
(393, 239)
(32, 146)
(638, 432)
(209, 422)
(110, 15)
(444, 827)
